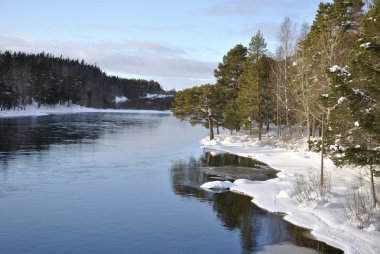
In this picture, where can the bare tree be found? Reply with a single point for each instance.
(286, 50)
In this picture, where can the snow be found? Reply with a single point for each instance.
(365, 45)
(153, 96)
(120, 99)
(217, 185)
(33, 110)
(325, 217)
(336, 68)
(341, 100)
(358, 92)
(285, 248)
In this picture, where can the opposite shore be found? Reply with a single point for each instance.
(34, 110)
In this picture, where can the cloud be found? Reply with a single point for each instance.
(160, 61)
(123, 28)
(267, 8)
(263, 15)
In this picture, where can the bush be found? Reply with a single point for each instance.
(360, 211)
(307, 189)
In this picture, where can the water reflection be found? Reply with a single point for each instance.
(225, 166)
(38, 133)
(236, 212)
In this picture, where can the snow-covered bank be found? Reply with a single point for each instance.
(34, 110)
(325, 217)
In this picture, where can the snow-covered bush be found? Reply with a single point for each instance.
(307, 189)
(360, 211)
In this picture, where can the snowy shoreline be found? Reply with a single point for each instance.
(325, 218)
(34, 110)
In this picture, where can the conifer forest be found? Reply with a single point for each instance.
(48, 80)
(323, 82)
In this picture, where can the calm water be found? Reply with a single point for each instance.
(126, 183)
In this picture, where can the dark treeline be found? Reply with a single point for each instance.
(48, 80)
(323, 82)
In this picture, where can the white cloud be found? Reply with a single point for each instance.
(268, 8)
(263, 15)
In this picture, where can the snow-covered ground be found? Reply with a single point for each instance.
(326, 215)
(120, 99)
(33, 110)
(156, 96)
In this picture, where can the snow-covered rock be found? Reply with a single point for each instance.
(217, 185)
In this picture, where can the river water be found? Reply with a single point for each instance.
(128, 183)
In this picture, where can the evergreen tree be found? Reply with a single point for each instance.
(227, 75)
(51, 80)
(254, 86)
(229, 71)
(199, 105)
(355, 115)
(331, 39)
(257, 46)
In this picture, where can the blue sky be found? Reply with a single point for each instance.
(176, 42)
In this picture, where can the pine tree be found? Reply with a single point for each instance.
(254, 92)
(199, 105)
(229, 71)
(227, 75)
(355, 116)
(331, 39)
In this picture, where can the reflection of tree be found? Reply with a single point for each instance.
(37, 133)
(226, 159)
(186, 178)
(236, 212)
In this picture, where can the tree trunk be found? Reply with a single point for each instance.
(278, 112)
(287, 112)
(260, 125)
(217, 128)
(250, 127)
(322, 149)
(211, 128)
(308, 126)
(373, 187)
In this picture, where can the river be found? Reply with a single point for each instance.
(128, 183)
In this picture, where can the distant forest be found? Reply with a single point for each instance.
(48, 80)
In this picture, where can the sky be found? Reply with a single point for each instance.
(178, 43)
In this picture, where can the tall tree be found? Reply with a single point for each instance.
(331, 39)
(229, 71)
(227, 75)
(199, 105)
(286, 50)
(301, 77)
(257, 47)
(355, 100)
(254, 93)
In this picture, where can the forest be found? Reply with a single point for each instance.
(48, 80)
(323, 82)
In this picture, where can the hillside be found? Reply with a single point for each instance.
(48, 80)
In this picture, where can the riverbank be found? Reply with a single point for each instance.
(34, 110)
(325, 214)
